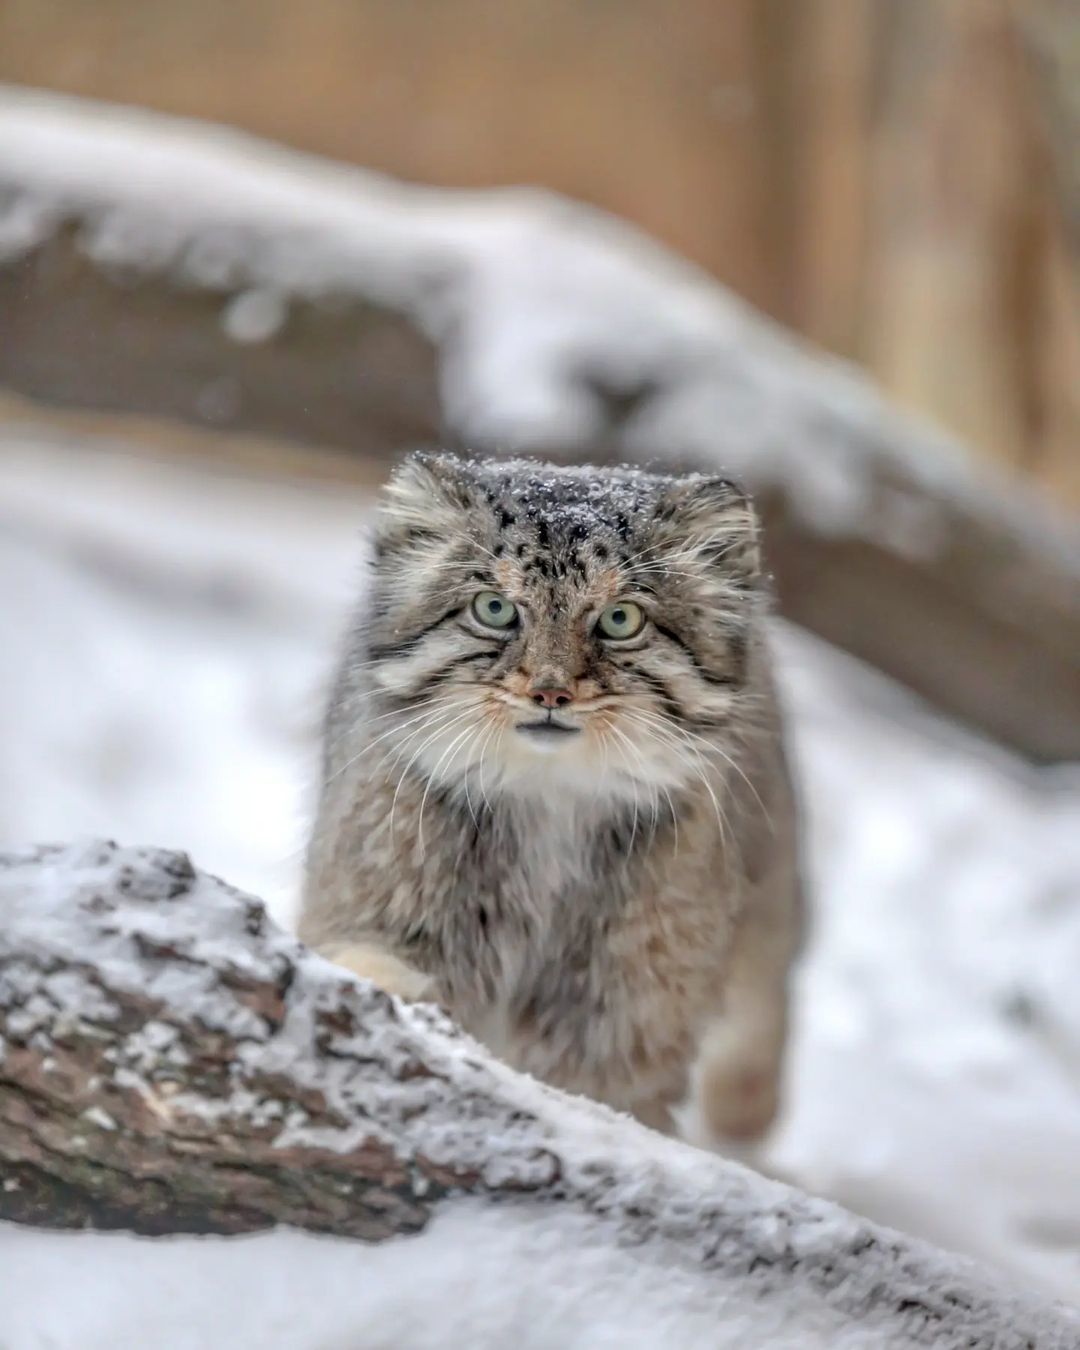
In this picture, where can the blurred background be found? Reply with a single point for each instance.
(898, 182)
(210, 354)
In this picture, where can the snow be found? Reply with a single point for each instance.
(936, 1081)
(711, 1253)
(457, 1284)
(166, 630)
(254, 316)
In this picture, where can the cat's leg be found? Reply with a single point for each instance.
(381, 967)
(656, 1114)
(737, 1080)
(739, 1073)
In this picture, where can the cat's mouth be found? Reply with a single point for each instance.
(547, 731)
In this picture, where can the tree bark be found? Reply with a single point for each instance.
(171, 1062)
(153, 267)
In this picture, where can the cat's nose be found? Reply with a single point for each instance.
(547, 696)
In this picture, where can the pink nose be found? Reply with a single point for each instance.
(550, 698)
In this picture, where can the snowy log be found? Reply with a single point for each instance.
(171, 1062)
(153, 266)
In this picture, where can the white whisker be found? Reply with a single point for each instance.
(431, 779)
(651, 725)
(645, 774)
(483, 749)
(439, 730)
(370, 745)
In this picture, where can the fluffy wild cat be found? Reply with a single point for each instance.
(555, 797)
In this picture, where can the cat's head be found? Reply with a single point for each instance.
(532, 626)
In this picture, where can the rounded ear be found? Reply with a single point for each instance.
(716, 518)
(424, 494)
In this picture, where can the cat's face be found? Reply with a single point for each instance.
(582, 628)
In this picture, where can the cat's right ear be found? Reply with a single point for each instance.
(715, 518)
(423, 500)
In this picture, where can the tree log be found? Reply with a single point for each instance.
(151, 266)
(171, 1062)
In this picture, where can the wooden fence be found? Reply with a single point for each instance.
(896, 181)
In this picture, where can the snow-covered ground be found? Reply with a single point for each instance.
(164, 631)
(457, 1286)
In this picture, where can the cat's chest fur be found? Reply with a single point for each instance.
(528, 929)
(533, 884)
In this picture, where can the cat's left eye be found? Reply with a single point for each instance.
(494, 610)
(621, 621)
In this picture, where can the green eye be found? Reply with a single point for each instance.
(494, 610)
(624, 620)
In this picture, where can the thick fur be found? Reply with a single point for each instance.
(616, 912)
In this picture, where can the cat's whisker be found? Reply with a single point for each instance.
(435, 724)
(674, 728)
(495, 730)
(393, 712)
(476, 731)
(625, 740)
(674, 816)
(649, 548)
(662, 787)
(498, 742)
(485, 736)
(604, 745)
(431, 777)
(689, 552)
(728, 759)
(468, 794)
(473, 544)
(710, 747)
(438, 731)
(697, 544)
(370, 745)
(446, 569)
(645, 779)
(683, 552)
(661, 570)
(697, 764)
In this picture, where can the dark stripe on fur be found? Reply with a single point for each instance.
(392, 650)
(439, 677)
(668, 701)
(706, 675)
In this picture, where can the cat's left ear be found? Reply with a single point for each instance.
(422, 502)
(713, 519)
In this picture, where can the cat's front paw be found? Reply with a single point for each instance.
(382, 968)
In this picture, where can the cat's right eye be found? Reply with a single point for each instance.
(494, 610)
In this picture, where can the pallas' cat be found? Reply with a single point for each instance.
(554, 792)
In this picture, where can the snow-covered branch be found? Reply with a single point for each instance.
(172, 1062)
(154, 266)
